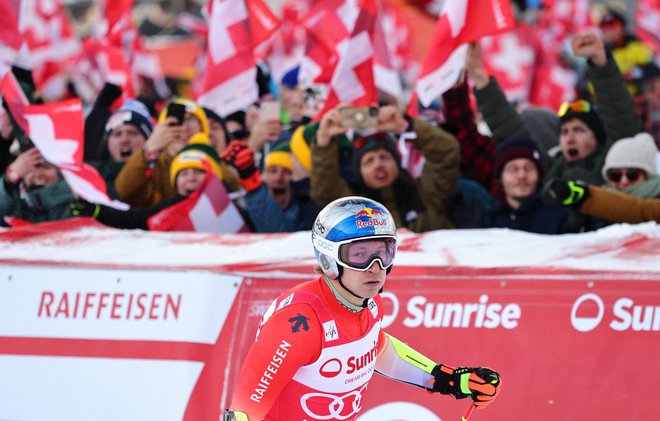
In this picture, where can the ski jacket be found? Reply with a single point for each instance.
(313, 358)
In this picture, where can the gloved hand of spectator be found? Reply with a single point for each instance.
(80, 207)
(240, 156)
(481, 384)
(563, 192)
(108, 95)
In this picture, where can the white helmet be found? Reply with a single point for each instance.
(347, 221)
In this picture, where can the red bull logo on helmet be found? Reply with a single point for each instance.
(370, 217)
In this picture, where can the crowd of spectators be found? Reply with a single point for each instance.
(588, 164)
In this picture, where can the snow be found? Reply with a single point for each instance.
(620, 247)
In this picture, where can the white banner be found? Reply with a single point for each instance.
(66, 388)
(114, 304)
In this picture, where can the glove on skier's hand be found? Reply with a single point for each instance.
(482, 384)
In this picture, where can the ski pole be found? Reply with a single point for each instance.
(468, 412)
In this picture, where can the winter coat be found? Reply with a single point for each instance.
(109, 171)
(435, 185)
(36, 204)
(138, 188)
(613, 206)
(268, 217)
(532, 216)
(615, 107)
(135, 187)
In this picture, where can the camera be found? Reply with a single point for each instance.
(359, 117)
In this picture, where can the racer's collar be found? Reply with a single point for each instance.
(343, 301)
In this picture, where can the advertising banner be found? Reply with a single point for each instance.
(125, 325)
(80, 344)
(565, 343)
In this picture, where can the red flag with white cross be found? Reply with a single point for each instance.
(208, 209)
(353, 78)
(56, 129)
(459, 23)
(236, 28)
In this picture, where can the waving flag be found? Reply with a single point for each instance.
(209, 209)
(236, 27)
(353, 78)
(510, 58)
(327, 24)
(459, 23)
(648, 23)
(51, 42)
(56, 129)
(10, 37)
(386, 76)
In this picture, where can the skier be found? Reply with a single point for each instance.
(319, 343)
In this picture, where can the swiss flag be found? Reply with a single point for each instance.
(459, 23)
(510, 57)
(648, 23)
(327, 24)
(236, 27)
(287, 46)
(12, 92)
(553, 84)
(56, 129)
(209, 209)
(49, 37)
(10, 37)
(386, 75)
(115, 11)
(353, 78)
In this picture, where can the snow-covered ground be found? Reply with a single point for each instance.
(616, 248)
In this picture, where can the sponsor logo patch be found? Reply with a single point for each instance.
(330, 331)
(285, 302)
(373, 307)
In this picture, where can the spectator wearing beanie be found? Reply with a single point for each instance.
(127, 130)
(584, 134)
(194, 121)
(281, 202)
(125, 133)
(518, 195)
(416, 204)
(630, 166)
(144, 181)
(187, 174)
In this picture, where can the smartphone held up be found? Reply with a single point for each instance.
(359, 117)
(178, 111)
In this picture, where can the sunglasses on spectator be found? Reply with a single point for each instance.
(239, 134)
(632, 174)
(579, 106)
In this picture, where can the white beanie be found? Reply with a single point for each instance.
(633, 152)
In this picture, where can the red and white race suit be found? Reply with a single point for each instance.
(313, 358)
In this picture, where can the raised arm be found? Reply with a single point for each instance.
(615, 105)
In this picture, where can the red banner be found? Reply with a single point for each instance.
(96, 315)
(568, 345)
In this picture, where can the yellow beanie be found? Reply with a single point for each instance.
(279, 158)
(191, 108)
(199, 139)
(300, 148)
(192, 158)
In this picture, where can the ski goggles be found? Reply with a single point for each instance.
(360, 254)
(579, 106)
